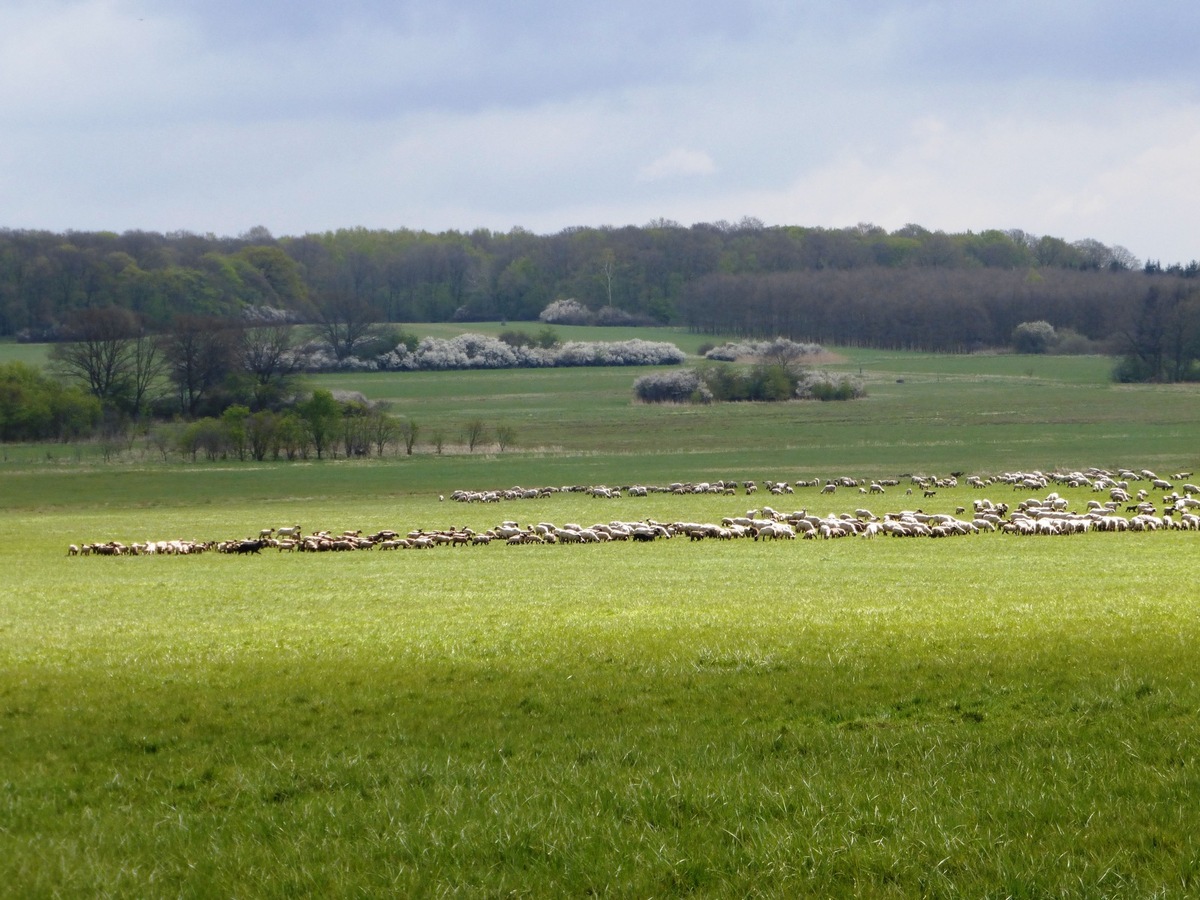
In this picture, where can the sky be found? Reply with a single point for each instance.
(1079, 120)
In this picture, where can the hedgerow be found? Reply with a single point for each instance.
(477, 351)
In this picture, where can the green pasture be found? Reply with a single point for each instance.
(921, 413)
(31, 354)
(987, 716)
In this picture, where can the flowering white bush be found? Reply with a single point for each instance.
(779, 348)
(635, 352)
(566, 312)
(819, 385)
(679, 386)
(477, 351)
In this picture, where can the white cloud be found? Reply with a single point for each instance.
(678, 163)
(214, 116)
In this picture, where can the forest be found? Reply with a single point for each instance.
(862, 286)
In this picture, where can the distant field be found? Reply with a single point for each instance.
(984, 716)
(923, 412)
(33, 354)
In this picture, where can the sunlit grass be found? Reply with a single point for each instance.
(987, 716)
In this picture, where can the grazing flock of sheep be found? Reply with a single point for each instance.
(1127, 506)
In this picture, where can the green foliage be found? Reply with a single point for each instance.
(772, 382)
(292, 435)
(322, 416)
(766, 382)
(36, 408)
(516, 338)
(546, 338)
(282, 283)
(233, 422)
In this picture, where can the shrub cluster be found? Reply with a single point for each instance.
(566, 312)
(34, 407)
(765, 382)
(572, 312)
(818, 385)
(780, 349)
(1042, 337)
(546, 338)
(680, 386)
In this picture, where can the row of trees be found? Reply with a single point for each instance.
(405, 275)
(208, 363)
(320, 427)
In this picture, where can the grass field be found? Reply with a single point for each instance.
(986, 716)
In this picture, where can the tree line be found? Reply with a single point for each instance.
(909, 288)
(411, 276)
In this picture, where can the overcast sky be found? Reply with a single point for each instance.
(1074, 119)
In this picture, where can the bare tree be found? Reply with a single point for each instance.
(608, 273)
(346, 323)
(98, 351)
(200, 355)
(505, 435)
(473, 433)
(382, 426)
(148, 364)
(268, 353)
(408, 433)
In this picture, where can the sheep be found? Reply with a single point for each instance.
(775, 531)
(288, 531)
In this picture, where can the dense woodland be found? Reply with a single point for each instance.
(662, 272)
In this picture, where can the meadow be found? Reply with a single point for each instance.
(987, 716)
